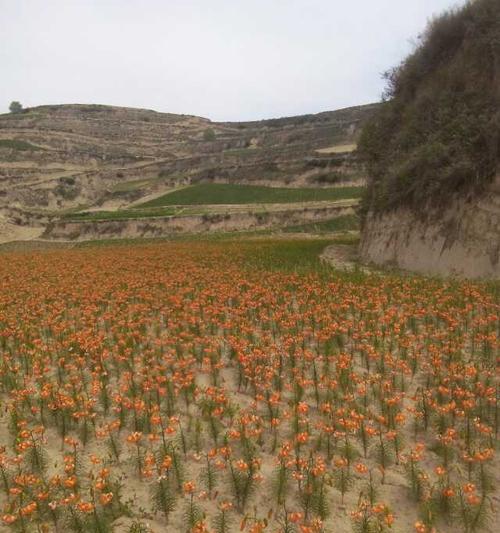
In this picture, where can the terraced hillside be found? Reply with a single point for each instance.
(56, 161)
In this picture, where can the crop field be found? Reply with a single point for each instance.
(221, 193)
(243, 386)
(124, 214)
(15, 144)
(341, 223)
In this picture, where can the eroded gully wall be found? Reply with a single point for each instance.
(461, 240)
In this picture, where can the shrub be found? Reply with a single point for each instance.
(15, 107)
(438, 130)
(209, 135)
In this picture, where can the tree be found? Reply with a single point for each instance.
(15, 107)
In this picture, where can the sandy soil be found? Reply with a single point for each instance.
(337, 149)
(462, 240)
(12, 232)
(343, 257)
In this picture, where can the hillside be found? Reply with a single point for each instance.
(432, 151)
(56, 160)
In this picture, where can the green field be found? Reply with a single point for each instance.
(238, 152)
(120, 215)
(214, 193)
(342, 223)
(15, 144)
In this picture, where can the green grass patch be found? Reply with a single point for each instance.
(287, 255)
(342, 223)
(119, 215)
(237, 152)
(297, 255)
(15, 144)
(215, 193)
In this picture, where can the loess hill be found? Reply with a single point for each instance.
(55, 159)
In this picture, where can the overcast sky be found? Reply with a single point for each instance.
(221, 59)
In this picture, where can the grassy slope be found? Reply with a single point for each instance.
(15, 144)
(209, 193)
(120, 215)
(342, 223)
(437, 133)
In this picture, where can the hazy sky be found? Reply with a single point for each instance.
(222, 59)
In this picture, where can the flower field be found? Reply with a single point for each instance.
(241, 386)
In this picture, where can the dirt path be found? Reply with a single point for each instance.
(343, 257)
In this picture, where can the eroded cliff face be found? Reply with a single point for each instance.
(153, 227)
(462, 240)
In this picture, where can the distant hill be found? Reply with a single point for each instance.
(62, 160)
(62, 156)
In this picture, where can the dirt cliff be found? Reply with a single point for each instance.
(462, 239)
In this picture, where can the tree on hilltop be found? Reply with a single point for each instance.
(15, 107)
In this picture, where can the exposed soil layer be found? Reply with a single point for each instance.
(161, 226)
(461, 240)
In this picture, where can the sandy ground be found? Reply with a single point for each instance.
(461, 240)
(337, 149)
(394, 490)
(343, 257)
(12, 232)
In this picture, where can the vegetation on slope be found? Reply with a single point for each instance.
(215, 193)
(438, 131)
(125, 214)
(15, 144)
(341, 223)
